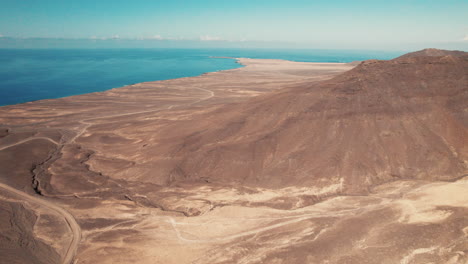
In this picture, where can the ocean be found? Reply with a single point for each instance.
(35, 74)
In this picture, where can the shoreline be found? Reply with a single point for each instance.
(234, 66)
(227, 86)
(240, 61)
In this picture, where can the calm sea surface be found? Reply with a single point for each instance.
(28, 75)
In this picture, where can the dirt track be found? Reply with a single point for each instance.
(26, 140)
(69, 219)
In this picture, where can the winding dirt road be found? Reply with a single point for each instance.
(69, 219)
(26, 140)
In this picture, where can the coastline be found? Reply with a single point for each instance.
(241, 62)
(49, 74)
(60, 74)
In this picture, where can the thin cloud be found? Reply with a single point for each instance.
(101, 38)
(159, 37)
(154, 37)
(105, 38)
(465, 38)
(210, 38)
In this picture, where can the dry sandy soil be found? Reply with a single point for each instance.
(274, 162)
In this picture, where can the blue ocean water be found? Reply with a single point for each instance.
(34, 74)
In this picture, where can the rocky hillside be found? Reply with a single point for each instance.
(381, 121)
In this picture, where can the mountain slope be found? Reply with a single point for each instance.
(433, 53)
(383, 120)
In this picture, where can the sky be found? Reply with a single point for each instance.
(355, 24)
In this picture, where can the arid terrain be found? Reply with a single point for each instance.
(274, 162)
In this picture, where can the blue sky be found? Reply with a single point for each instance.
(316, 24)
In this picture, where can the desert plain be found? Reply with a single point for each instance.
(274, 162)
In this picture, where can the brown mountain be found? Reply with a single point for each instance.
(383, 120)
(434, 53)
